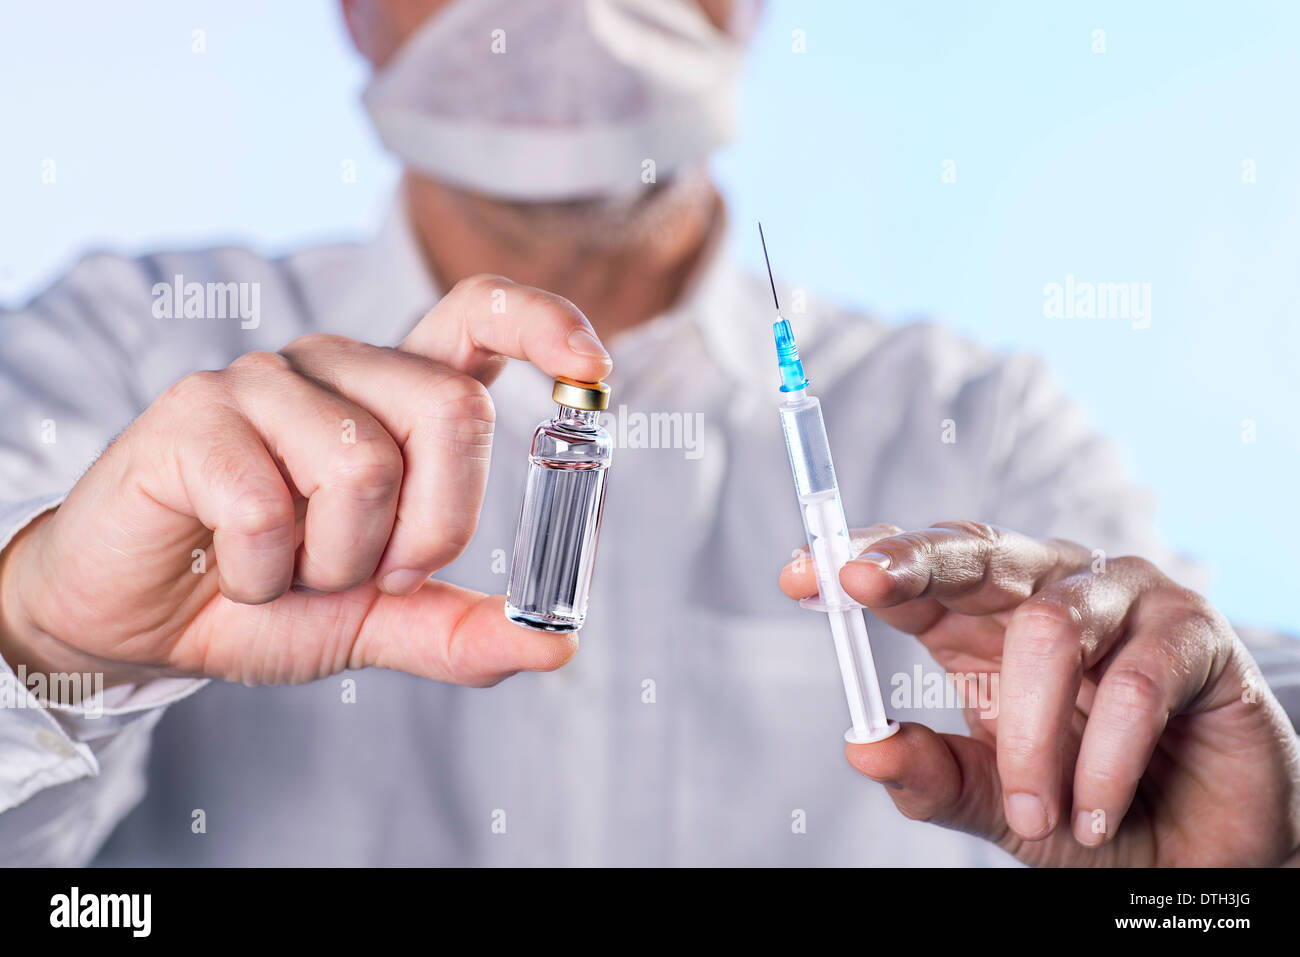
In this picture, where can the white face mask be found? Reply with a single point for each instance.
(557, 100)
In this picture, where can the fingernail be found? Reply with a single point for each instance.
(585, 344)
(1085, 833)
(1027, 815)
(879, 559)
(404, 581)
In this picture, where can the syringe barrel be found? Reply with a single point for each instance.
(805, 439)
(819, 498)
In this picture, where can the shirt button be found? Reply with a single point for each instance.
(51, 742)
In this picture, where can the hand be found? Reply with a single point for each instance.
(1133, 727)
(347, 471)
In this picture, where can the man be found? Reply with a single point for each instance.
(275, 522)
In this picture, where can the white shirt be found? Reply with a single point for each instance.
(703, 716)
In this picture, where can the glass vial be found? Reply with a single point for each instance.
(555, 546)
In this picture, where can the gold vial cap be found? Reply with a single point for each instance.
(588, 396)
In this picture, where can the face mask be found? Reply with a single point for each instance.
(558, 100)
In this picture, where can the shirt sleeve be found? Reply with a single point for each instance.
(1057, 477)
(67, 774)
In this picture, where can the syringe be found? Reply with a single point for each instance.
(828, 534)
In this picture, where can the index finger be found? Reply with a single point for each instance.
(968, 567)
(486, 318)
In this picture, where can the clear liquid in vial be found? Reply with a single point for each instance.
(555, 546)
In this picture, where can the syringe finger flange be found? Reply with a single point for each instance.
(815, 603)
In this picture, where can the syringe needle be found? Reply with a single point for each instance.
(768, 262)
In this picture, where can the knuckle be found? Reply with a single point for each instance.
(374, 467)
(194, 390)
(478, 283)
(990, 534)
(463, 403)
(1068, 548)
(1053, 607)
(317, 340)
(1048, 623)
(315, 344)
(1202, 623)
(1137, 568)
(1131, 694)
(1194, 604)
(260, 363)
(256, 514)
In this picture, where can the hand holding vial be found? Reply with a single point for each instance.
(277, 521)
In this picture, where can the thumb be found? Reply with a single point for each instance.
(441, 632)
(455, 635)
(946, 779)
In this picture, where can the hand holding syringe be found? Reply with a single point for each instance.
(828, 534)
(1048, 629)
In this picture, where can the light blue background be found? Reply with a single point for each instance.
(1122, 166)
